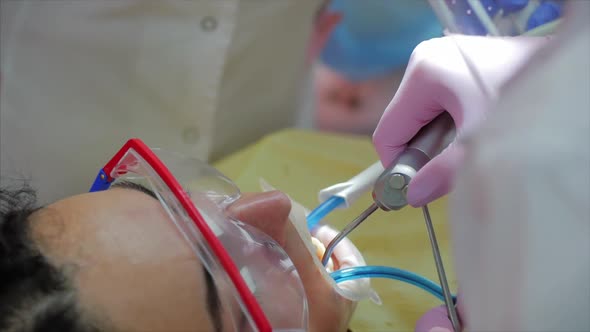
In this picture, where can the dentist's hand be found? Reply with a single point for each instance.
(437, 320)
(438, 78)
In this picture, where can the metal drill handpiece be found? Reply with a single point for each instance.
(451, 310)
(389, 190)
(349, 228)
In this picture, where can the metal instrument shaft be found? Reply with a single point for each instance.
(349, 228)
(451, 310)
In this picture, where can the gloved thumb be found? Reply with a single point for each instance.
(435, 179)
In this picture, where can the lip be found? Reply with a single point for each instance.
(346, 255)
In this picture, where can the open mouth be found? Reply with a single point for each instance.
(345, 254)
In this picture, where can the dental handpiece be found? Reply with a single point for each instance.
(390, 189)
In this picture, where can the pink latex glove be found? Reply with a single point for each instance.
(438, 79)
(437, 320)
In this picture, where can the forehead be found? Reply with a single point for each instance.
(128, 259)
(110, 225)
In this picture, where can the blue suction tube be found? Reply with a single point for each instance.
(314, 218)
(375, 271)
(387, 272)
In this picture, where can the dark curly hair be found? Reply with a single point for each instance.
(34, 294)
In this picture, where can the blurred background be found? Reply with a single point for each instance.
(358, 70)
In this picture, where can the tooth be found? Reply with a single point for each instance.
(320, 249)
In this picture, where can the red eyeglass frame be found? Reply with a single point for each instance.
(104, 180)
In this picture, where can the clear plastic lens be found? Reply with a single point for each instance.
(196, 176)
(263, 264)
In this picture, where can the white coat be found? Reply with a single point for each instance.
(203, 78)
(521, 205)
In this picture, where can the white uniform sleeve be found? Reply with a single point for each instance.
(521, 208)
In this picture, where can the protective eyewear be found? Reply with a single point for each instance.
(238, 256)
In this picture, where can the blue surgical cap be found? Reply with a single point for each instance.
(376, 37)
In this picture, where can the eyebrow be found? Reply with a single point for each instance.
(213, 302)
(136, 187)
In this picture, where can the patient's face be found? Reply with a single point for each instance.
(132, 267)
(345, 106)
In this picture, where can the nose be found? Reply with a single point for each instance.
(268, 212)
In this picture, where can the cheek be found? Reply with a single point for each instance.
(135, 297)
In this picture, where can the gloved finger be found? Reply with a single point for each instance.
(435, 320)
(435, 179)
(412, 107)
